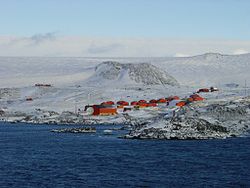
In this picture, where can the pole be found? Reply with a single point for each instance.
(75, 108)
(245, 88)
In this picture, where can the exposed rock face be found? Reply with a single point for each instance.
(195, 122)
(189, 128)
(144, 73)
(227, 112)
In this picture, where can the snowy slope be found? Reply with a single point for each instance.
(209, 69)
(26, 71)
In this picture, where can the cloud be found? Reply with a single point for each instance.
(27, 41)
(181, 55)
(240, 51)
(50, 44)
(39, 38)
(95, 49)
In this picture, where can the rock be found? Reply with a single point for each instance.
(76, 130)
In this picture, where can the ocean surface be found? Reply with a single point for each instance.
(32, 156)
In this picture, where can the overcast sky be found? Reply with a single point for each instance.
(131, 28)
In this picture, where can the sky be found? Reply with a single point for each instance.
(102, 28)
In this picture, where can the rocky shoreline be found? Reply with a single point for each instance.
(201, 120)
(54, 118)
(211, 121)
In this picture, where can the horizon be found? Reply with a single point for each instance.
(203, 54)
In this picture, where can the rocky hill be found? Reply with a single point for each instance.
(141, 73)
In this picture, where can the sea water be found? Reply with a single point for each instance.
(33, 156)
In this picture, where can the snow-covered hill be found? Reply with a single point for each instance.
(132, 74)
(202, 70)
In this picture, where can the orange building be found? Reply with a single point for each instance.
(173, 98)
(123, 103)
(134, 103)
(108, 103)
(196, 97)
(142, 101)
(162, 100)
(101, 110)
(151, 105)
(153, 101)
(181, 103)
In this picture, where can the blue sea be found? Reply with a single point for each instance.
(32, 156)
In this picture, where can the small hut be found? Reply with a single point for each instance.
(204, 90)
(29, 99)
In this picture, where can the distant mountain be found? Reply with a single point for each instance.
(208, 69)
(132, 73)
